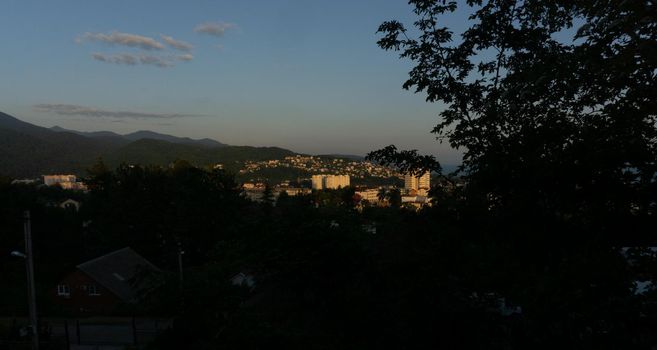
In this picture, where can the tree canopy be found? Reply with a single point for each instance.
(552, 103)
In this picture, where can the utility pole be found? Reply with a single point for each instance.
(31, 290)
(180, 275)
(180, 264)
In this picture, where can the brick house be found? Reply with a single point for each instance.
(102, 284)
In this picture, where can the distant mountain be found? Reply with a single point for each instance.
(143, 134)
(158, 152)
(30, 150)
(27, 150)
(87, 134)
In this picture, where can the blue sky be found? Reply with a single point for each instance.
(300, 74)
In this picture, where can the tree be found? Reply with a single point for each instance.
(551, 103)
(268, 195)
(558, 120)
(393, 196)
(98, 176)
(382, 194)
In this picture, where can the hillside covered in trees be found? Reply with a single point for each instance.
(30, 151)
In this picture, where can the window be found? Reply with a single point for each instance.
(92, 289)
(63, 290)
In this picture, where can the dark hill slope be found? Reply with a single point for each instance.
(27, 150)
(142, 134)
(157, 152)
(145, 134)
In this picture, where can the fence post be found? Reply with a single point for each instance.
(77, 330)
(68, 338)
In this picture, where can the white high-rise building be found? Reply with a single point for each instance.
(419, 182)
(322, 182)
(318, 182)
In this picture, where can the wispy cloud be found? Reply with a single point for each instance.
(186, 57)
(214, 28)
(123, 58)
(163, 58)
(155, 61)
(125, 39)
(76, 110)
(135, 59)
(176, 44)
(131, 59)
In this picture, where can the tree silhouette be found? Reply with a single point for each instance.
(393, 196)
(549, 101)
(382, 194)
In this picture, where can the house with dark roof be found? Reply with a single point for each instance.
(102, 284)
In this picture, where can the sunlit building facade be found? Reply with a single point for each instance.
(323, 182)
(51, 180)
(421, 182)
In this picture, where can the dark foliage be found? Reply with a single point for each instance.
(558, 176)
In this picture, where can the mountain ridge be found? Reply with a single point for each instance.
(143, 134)
(29, 150)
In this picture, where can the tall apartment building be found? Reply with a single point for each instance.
(322, 182)
(318, 182)
(420, 182)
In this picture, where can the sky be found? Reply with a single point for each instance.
(305, 75)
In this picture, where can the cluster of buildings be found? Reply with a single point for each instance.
(322, 165)
(256, 191)
(415, 192)
(67, 182)
(325, 182)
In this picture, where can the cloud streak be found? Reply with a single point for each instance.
(217, 29)
(124, 39)
(129, 59)
(160, 56)
(83, 111)
(176, 44)
(185, 58)
(132, 60)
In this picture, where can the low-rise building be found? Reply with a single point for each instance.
(67, 182)
(101, 285)
(370, 195)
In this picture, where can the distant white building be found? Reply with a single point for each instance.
(318, 182)
(52, 180)
(323, 182)
(417, 182)
(291, 191)
(23, 182)
(416, 201)
(67, 182)
(371, 195)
